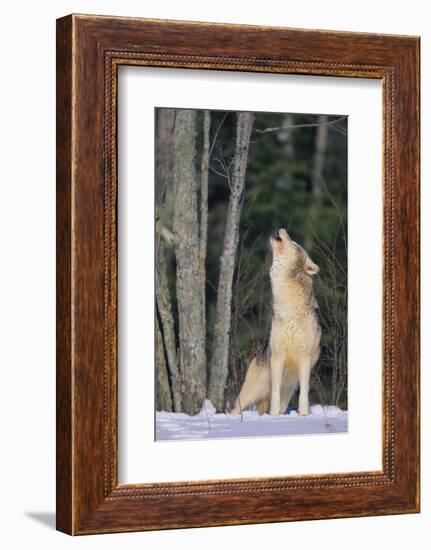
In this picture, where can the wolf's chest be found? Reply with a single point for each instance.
(293, 332)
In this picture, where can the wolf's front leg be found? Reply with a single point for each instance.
(304, 386)
(276, 377)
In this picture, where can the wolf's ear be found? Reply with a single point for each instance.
(311, 268)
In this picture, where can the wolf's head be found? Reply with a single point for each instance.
(288, 257)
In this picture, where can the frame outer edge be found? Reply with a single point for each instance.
(407, 270)
(64, 367)
(81, 507)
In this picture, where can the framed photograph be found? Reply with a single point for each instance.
(237, 274)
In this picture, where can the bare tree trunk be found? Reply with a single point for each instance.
(188, 284)
(285, 136)
(164, 160)
(320, 146)
(204, 210)
(168, 327)
(163, 393)
(163, 152)
(222, 326)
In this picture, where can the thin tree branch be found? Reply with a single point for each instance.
(216, 134)
(294, 126)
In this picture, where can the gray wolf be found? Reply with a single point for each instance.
(294, 346)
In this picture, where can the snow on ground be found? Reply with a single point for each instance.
(208, 424)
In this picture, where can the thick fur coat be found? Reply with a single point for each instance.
(294, 347)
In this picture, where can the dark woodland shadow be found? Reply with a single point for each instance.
(45, 518)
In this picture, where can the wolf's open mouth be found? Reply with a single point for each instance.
(276, 235)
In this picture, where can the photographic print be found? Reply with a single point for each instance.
(251, 274)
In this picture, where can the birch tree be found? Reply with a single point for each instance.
(188, 284)
(222, 326)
